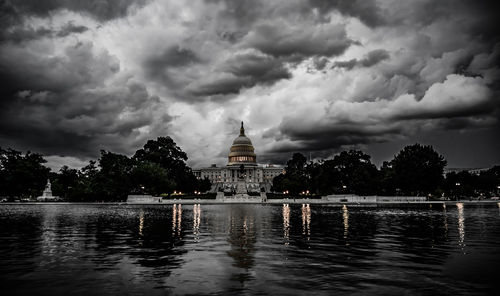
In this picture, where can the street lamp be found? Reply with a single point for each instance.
(457, 184)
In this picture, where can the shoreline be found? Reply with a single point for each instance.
(280, 202)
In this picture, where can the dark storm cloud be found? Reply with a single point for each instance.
(19, 34)
(365, 10)
(458, 103)
(242, 71)
(14, 16)
(320, 63)
(165, 66)
(220, 86)
(257, 68)
(71, 28)
(372, 58)
(280, 39)
(411, 66)
(61, 104)
(101, 10)
(26, 70)
(331, 136)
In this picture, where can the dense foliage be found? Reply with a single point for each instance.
(415, 170)
(159, 168)
(22, 175)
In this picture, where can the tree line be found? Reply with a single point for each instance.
(415, 170)
(159, 168)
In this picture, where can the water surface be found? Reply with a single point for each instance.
(248, 249)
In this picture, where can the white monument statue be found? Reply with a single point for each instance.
(47, 193)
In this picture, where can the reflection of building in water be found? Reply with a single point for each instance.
(196, 220)
(242, 173)
(345, 216)
(242, 236)
(176, 219)
(306, 220)
(286, 223)
(461, 225)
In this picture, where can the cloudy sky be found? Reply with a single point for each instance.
(312, 76)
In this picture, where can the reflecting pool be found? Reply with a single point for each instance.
(248, 249)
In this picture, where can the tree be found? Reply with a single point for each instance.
(112, 182)
(204, 185)
(461, 184)
(65, 183)
(296, 165)
(22, 175)
(418, 170)
(295, 179)
(387, 178)
(165, 152)
(150, 178)
(355, 172)
(489, 181)
(348, 172)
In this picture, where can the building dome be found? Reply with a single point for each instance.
(242, 151)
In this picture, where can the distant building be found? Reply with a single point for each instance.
(473, 171)
(242, 165)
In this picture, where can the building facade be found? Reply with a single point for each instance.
(241, 167)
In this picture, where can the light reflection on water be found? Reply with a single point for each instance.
(141, 222)
(345, 218)
(196, 220)
(246, 249)
(306, 220)
(286, 223)
(445, 217)
(176, 219)
(461, 226)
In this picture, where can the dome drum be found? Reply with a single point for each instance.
(242, 150)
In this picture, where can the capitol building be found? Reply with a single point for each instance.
(242, 173)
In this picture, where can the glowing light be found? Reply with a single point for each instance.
(286, 223)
